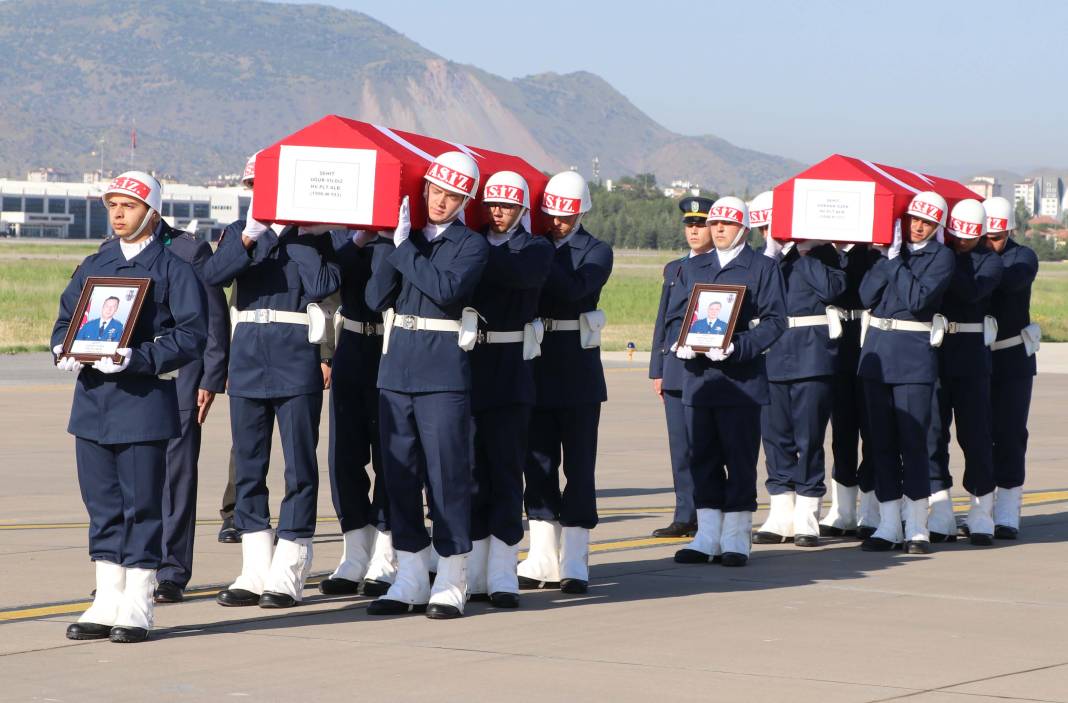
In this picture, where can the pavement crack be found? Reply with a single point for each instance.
(984, 679)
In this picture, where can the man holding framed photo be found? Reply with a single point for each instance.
(125, 404)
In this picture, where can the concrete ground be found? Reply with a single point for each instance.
(830, 624)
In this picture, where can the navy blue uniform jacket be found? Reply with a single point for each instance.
(286, 273)
(429, 279)
(910, 287)
(91, 331)
(357, 355)
(674, 297)
(1011, 305)
(507, 298)
(977, 274)
(858, 261)
(812, 282)
(566, 374)
(741, 379)
(134, 405)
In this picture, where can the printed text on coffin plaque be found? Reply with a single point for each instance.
(325, 185)
(833, 210)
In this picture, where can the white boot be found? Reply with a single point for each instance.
(434, 558)
(917, 538)
(477, 560)
(110, 584)
(290, 566)
(780, 523)
(256, 551)
(870, 512)
(940, 518)
(1007, 507)
(890, 522)
(137, 605)
(843, 513)
(737, 537)
(412, 583)
(355, 554)
(981, 515)
(383, 566)
(709, 531)
(575, 554)
(806, 516)
(543, 558)
(450, 585)
(501, 574)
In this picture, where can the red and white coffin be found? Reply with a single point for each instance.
(844, 199)
(347, 172)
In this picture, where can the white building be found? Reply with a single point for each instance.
(71, 210)
(1052, 193)
(1028, 191)
(985, 186)
(678, 189)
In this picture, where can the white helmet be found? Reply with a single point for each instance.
(760, 210)
(929, 206)
(506, 187)
(137, 184)
(566, 194)
(730, 209)
(968, 220)
(454, 171)
(1000, 215)
(249, 174)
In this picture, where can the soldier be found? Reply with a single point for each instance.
(963, 389)
(899, 367)
(1013, 364)
(724, 389)
(666, 369)
(570, 388)
(424, 381)
(124, 413)
(502, 385)
(274, 374)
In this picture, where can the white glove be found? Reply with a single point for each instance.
(717, 354)
(685, 352)
(313, 229)
(773, 248)
(895, 247)
(106, 365)
(67, 363)
(253, 228)
(404, 223)
(360, 237)
(807, 245)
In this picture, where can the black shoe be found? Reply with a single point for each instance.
(504, 599)
(1005, 532)
(384, 606)
(917, 546)
(690, 556)
(87, 631)
(168, 592)
(979, 539)
(806, 541)
(877, 544)
(237, 598)
(270, 599)
(338, 587)
(573, 586)
(677, 529)
(864, 532)
(734, 559)
(440, 611)
(529, 584)
(373, 588)
(938, 538)
(124, 635)
(831, 531)
(228, 534)
(768, 538)
(478, 598)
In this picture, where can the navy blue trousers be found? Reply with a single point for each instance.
(568, 436)
(354, 443)
(1012, 398)
(963, 401)
(793, 426)
(122, 488)
(500, 451)
(180, 501)
(679, 449)
(252, 426)
(851, 467)
(426, 440)
(898, 417)
(724, 446)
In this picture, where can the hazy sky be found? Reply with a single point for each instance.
(945, 86)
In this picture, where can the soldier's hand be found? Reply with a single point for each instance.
(326, 375)
(685, 353)
(204, 401)
(106, 365)
(67, 363)
(658, 386)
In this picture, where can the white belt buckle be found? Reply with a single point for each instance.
(369, 329)
(408, 322)
(263, 316)
(481, 337)
(952, 328)
(548, 322)
(885, 324)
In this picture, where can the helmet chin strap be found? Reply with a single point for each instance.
(518, 221)
(737, 239)
(141, 228)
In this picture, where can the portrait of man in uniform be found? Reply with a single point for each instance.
(711, 322)
(712, 313)
(107, 311)
(105, 328)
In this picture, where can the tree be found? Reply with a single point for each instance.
(1023, 218)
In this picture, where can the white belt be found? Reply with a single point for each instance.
(264, 316)
(368, 328)
(493, 337)
(552, 325)
(848, 315)
(430, 324)
(959, 327)
(886, 324)
(806, 321)
(1007, 343)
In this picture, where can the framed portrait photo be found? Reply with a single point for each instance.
(105, 317)
(711, 316)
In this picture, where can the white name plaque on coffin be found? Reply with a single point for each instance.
(325, 184)
(841, 211)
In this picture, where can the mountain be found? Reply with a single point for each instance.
(206, 82)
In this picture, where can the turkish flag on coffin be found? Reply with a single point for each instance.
(346, 172)
(843, 199)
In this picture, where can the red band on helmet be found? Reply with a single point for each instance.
(926, 210)
(130, 185)
(997, 224)
(504, 192)
(723, 212)
(555, 202)
(758, 218)
(250, 171)
(972, 229)
(453, 178)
